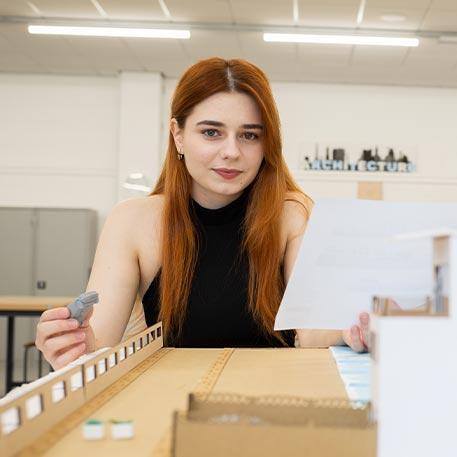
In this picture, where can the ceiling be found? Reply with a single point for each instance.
(233, 28)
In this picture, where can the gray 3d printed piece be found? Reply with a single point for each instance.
(81, 307)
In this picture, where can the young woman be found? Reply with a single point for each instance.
(211, 249)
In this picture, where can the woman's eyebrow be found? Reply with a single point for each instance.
(221, 124)
(253, 126)
(213, 123)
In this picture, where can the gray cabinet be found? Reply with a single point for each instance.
(16, 251)
(44, 251)
(65, 244)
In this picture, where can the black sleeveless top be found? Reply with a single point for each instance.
(217, 311)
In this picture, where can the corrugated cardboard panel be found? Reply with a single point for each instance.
(195, 439)
(309, 373)
(149, 401)
(226, 408)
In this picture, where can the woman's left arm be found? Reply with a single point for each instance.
(295, 218)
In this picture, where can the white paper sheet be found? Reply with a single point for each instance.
(349, 253)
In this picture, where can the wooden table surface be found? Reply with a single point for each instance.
(32, 302)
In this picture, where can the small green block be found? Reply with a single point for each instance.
(93, 422)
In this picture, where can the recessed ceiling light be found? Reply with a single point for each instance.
(393, 17)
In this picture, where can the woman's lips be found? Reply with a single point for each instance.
(228, 174)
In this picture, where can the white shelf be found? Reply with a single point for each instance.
(351, 176)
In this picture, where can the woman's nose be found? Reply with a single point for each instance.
(230, 148)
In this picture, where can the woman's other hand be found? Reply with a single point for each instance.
(357, 337)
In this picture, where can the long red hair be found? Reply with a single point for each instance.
(266, 202)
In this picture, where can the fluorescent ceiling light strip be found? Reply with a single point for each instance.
(340, 39)
(123, 32)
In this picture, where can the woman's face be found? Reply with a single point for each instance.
(222, 146)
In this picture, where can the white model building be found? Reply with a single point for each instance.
(414, 365)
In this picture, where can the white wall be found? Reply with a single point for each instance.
(70, 141)
(420, 119)
(65, 141)
(140, 127)
(58, 141)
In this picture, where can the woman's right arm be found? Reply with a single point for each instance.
(115, 276)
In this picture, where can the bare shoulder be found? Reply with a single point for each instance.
(135, 212)
(131, 220)
(139, 206)
(300, 201)
(296, 211)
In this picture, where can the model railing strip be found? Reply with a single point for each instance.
(36, 411)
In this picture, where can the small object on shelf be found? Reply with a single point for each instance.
(121, 429)
(81, 307)
(93, 429)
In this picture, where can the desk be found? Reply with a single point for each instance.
(19, 306)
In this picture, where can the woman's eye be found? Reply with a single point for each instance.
(250, 136)
(211, 133)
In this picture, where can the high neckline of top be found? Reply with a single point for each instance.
(234, 211)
